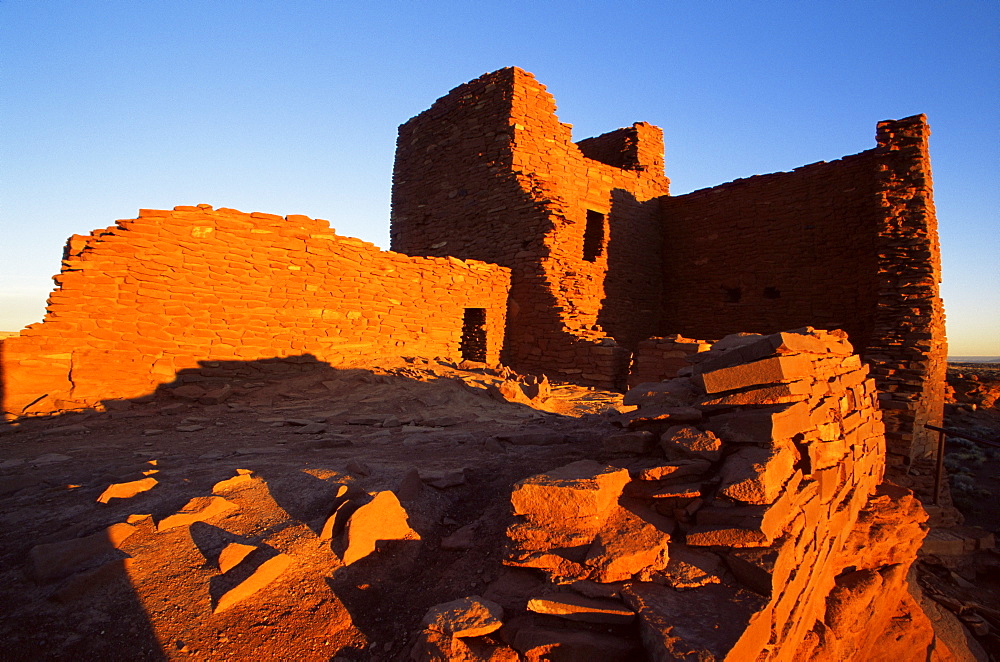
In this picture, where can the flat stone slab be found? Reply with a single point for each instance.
(197, 509)
(574, 607)
(265, 573)
(126, 490)
(467, 617)
(702, 624)
(382, 518)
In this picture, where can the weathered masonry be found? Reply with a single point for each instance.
(175, 290)
(570, 257)
(602, 257)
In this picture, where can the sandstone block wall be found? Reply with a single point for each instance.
(148, 297)
(759, 528)
(850, 244)
(490, 173)
(659, 359)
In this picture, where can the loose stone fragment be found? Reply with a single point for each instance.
(126, 490)
(467, 617)
(197, 509)
(677, 469)
(691, 568)
(583, 490)
(216, 396)
(689, 441)
(633, 443)
(673, 393)
(626, 545)
(757, 475)
(576, 607)
(239, 480)
(60, 559)
(265, 573)
(703, 624)
(232, 554)
(382, 518)
(545, 643)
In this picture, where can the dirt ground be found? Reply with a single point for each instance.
(441, 436)
(298, 437)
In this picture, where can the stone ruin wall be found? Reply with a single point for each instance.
(767, 532)
(171, 291)
(850, 244)
(490, 173)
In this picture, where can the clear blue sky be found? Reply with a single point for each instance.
(292, 107)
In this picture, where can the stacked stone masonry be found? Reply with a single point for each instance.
(593, 256)
(170, 291)
(490, 173)
(758, 528)
(603, 258)
(660, 359)
(850, 244)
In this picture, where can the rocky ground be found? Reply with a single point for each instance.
(290, 448)
(258, 467)
(969, 584)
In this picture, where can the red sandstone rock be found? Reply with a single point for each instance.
(126, 490)
(761, 425)
(677, 469)
(757, 475)
(691, 568)
(382, 518)
(60, 559)
(766, 371)
(574, 500)
(626, 545)
(266, 572)
(686, 440)
(232, 554)
(703, 624)
(575, 607)
(632, 443)
(434, 646)
(216, 396)
(467, 617)
(198, 509)
(538, 643)
(673, 393)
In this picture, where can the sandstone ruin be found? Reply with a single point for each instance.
(734, 506)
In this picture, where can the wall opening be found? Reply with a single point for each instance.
(772, 293)
(732, 294)
(593, 236)
(474, 335)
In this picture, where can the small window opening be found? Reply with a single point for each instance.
(772, 293)
(593, 236)
(732, 294)
(473, 345)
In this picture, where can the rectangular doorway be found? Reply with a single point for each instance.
(474, 335)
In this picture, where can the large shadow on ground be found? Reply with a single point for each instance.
(89, 607)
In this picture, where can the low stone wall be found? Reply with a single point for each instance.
(659, 359)
(170, 290)
(745, 517)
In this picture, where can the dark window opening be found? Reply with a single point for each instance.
(732, 294)
(772, 293)
(593, 236)
(474, 335)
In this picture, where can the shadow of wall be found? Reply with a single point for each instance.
(633, 286)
